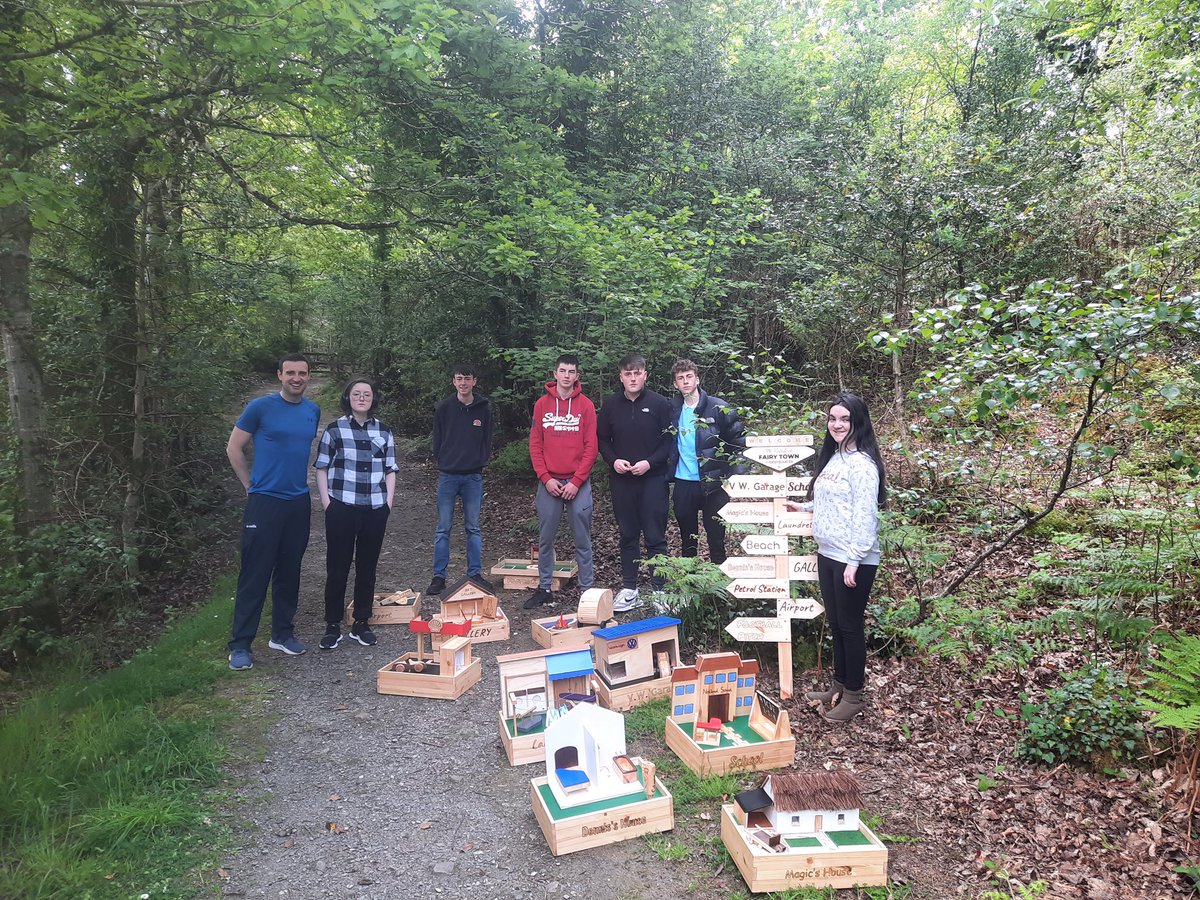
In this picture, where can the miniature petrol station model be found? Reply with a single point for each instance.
(595, 611)
(634, 661)
(594, 793)
(391, 608)
(720, 722)
(469, 600)
(803, 830)
(535, 687)
(443, 673)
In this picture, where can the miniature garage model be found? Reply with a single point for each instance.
(593, 792)
(802, 830)
(720, 722)
(536, 687)
(443, 673)
(634, 661)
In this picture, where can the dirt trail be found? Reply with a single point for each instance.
(424, 801)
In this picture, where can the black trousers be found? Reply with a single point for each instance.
(690, 504)
(640, 505)
(274, 538)
(353, 534)
(845, 609)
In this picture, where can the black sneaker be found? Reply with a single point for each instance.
(539, 598)
(331, 638)
(484, 583)
(362, 633)
(436, 586)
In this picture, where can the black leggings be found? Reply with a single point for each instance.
(845, 609)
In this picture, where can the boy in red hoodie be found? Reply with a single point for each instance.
(562, 445)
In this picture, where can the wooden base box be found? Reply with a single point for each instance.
(522, 749)
(483, 631)
(619, 819)
(862, 861)
(759, 756)
(398, 613)
(547, 634)
(626, 697)
(429, 683)
(521, 574)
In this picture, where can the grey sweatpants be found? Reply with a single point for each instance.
(579, 514)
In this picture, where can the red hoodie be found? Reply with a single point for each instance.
(562, 442)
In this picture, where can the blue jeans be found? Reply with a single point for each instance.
(470, 488)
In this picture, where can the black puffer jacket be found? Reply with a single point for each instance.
(720, 440)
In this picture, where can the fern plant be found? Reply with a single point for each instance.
(1173, 694)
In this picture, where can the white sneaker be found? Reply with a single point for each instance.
(627, 599)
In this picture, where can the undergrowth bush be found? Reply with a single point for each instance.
(512, 463)
(1093, 719)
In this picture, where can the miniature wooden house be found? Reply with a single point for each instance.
(719, 722)
(470, 600)
(595, 611)
(634, 661)
(583, 755)
(803, 830)
(445, 672)
(532, 684)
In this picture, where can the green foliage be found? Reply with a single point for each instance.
(647, 719)
(512, 463)
(1092, 719)
(695, 592)
(107, 781)
(1172, 693)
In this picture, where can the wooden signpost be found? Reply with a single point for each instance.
(768, 569)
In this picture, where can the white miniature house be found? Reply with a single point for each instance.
(586, 759)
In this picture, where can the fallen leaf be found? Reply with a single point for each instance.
(334, 798)
(707, 817)
(222, 873)
(341, 707)
(206, 820)
(425, 826)
(334, 827)
(289, 844)
(468, 847)
(110, 876)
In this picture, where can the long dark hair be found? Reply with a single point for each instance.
(862, 432)
(345, 401)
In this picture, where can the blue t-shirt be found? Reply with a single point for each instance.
(688, 467)
(283, 435)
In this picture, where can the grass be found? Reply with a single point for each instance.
(106, 792)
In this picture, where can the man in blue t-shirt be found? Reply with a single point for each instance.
(281, 427)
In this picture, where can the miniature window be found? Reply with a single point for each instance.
(795, 820)
(750, 681)
(708, 679)
(720, 678)
(691, 689)
(841, 818)
(739, 701)
(750, 702)
(689, 708)
(679, 690)
(741, 682)
(679, 710)
(615, 669)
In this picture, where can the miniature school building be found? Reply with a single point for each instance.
(803, 830)
(593, 792)
(634, 661)
(595, 611)
(720, 722)
(445, 673)
(531, 685)
(469, 600)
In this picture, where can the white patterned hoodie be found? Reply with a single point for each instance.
(846, 509)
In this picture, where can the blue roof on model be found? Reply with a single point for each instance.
(575, 664)
(639, 627)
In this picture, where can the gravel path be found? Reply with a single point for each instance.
(357, 794)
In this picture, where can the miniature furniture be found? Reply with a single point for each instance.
(634, 659)
(803, 830)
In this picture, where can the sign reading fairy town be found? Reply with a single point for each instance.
(768, 568)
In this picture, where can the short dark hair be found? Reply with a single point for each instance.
(345, 402)
(292, 357)
(684, 365)
(631, 361)
(464, 369)
(569, 358)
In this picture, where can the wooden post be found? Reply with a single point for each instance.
(785, 670)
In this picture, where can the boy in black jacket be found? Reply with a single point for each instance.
(634, 432)
(462, 443)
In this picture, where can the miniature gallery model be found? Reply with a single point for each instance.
(390, 608)
(470, 601)
(535, 688)
(803, 830)
(595, 611)
(634, 661)
(443, 673)
(720, 722)
(593, 792)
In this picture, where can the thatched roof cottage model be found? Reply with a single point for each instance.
(803, 802)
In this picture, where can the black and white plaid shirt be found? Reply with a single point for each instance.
(358, 458)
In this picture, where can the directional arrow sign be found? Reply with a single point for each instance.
(779, 440)
(802, 568)
(788, 523)
(766, 486)
(765, 544)
(763, 628)
(749, 567)
(752, 513)
(800, 608)
(759, 587)
(778, 458)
